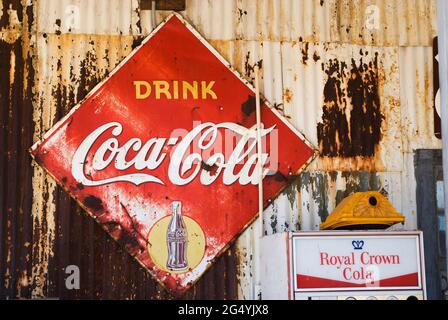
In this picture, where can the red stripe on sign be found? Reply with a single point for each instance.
(308, 282)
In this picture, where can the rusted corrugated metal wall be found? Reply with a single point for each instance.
(354, 76)
(16, 121)
(44, 73)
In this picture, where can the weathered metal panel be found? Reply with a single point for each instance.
(54, 232)
(70, 61)
(308, 82)
(111, 17)
(177, 5)
(306, 203)
(364, 22)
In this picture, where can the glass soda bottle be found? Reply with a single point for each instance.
(177, 239)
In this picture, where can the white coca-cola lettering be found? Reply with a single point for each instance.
(183, 168)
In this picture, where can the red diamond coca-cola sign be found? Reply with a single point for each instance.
(162, 154)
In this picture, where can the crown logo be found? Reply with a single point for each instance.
(358, 244)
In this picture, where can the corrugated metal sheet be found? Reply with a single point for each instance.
(417, 98)
(16, 127)
(366, 22)
(46, 231)
(55, 51)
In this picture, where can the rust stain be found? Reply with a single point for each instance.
(352, 117)
(305, 57)
(288, 95)
(77, 63)
(93, 203)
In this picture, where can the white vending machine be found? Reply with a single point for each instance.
(343, 265)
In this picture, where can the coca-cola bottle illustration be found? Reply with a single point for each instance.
(177, 239)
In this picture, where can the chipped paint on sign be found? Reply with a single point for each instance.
(16, 22)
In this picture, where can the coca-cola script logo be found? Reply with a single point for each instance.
(173, 124)
(148, 155)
